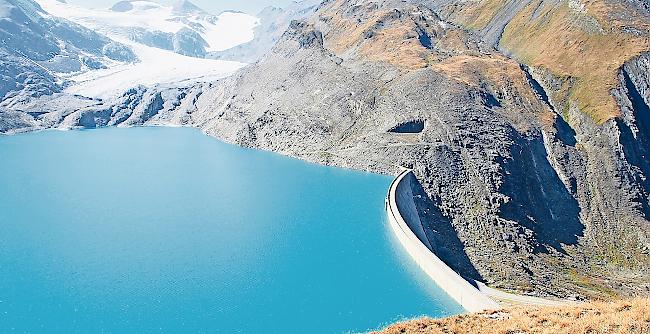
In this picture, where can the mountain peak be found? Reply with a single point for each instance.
(129, 5)
(122, 6)
(304, 33)
(186, 7)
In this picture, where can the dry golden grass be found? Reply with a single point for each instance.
(395, 38)
(394, 43)
(395, 46)
(624, 317)
(480, 13)
(586, 47)
(477, 70)
(501, 75)
(554, 41)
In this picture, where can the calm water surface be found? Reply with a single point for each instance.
(159, 230)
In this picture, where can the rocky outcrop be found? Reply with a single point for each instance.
(633, 96)
(37, 48)
(189, 43)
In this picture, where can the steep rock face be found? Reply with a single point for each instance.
(14, 121)
(189, 43)
(30, 32)
(520, 187)
(596, 145)
(37, 47)
(19, 76)
(633, 96)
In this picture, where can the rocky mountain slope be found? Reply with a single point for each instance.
(36, 48)
(533, 158)
(44, 54)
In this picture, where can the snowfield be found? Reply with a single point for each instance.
(221, 32)
(156, 67)
(230, 30)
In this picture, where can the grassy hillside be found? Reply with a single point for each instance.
(584, 43)
(412, 37)
(625, 317)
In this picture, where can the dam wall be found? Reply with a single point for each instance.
(405, 222)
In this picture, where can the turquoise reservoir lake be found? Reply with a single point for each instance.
(162, 230)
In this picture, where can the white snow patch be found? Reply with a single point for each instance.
(156, 67)
(226, 31)
(5, 9)
(153, 18)
(230, 30)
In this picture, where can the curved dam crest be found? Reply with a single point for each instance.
(405, 223)
(168, 230)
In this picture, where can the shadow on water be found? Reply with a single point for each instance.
(637, 148)
(442, 235)
(538, 198)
